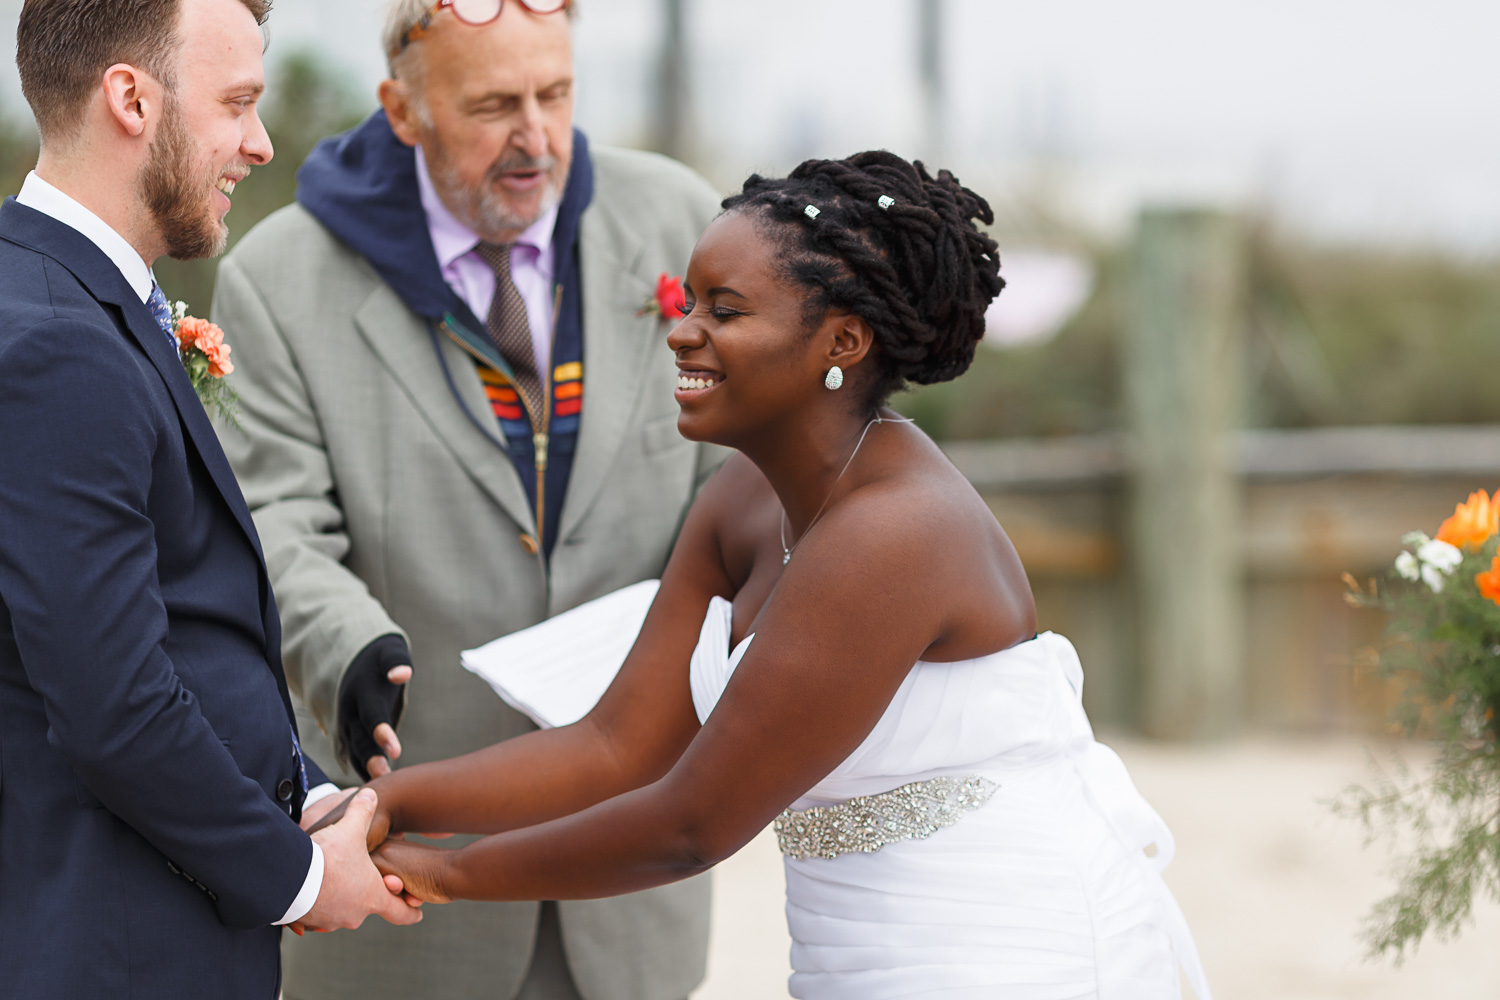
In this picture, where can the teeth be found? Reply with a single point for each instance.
(685, 382)
(226, 184)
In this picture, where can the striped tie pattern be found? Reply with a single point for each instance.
(509, 328)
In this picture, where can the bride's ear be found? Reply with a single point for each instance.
(849, 340)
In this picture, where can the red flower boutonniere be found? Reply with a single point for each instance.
(669, 300)
(205, 358)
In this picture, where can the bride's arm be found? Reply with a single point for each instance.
(865, 597)
(631, 738)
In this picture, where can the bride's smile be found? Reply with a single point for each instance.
(843, 642)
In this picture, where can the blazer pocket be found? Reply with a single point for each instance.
(661, 434)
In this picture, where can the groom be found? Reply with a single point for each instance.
(151, 780)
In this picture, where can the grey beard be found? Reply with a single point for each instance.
(485, 212)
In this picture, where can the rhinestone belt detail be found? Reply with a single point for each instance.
(867, 823)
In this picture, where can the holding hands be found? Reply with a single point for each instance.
(353, 888)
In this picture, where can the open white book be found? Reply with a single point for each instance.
(557, 670)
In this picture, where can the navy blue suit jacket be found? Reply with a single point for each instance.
(148, 776)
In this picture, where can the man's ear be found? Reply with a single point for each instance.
(401, 110)
(133, 98)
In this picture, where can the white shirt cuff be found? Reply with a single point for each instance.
(310, 888)
(319, 793)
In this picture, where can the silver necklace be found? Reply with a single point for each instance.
(786, 552)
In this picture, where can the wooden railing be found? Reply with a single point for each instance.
(1312, 504)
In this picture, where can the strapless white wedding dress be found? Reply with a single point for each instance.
(1016, 861)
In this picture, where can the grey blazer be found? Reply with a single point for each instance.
(383, 508)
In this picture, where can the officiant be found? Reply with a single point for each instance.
(457, 420)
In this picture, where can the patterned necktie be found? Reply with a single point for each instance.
(509, 328)
(157, 303)
(301, 764)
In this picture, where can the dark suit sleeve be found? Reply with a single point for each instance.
(78, 574)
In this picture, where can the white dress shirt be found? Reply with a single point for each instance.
(38, 195)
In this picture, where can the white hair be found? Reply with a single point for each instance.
(401, 17)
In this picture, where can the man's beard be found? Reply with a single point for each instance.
(485, 210)
(175, 191)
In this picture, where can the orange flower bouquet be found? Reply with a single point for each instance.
(205, 358)
(1442, 598)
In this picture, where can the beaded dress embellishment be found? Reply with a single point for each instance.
(867, 823)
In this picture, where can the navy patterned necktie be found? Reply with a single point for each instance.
(301, 764)
(162, 312)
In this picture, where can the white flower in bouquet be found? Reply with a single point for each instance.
(1442, 640)
(1441, 555)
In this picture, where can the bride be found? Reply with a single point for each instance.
(843, 643)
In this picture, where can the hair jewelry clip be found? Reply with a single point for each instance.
(811, 211)
(886, 201)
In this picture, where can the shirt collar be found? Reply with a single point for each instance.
(38, 195)
(452, 238)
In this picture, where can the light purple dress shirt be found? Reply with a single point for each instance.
(532, 264)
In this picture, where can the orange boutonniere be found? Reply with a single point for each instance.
(1473, 522)
(669, 302)
(205, 358)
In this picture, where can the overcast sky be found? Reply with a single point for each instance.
(1368, 119)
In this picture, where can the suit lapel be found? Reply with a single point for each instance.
(143, 327)
(465, 425)
(617, 347)
(200, 432)
(103, 280)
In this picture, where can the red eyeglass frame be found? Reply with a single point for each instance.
(419, 29)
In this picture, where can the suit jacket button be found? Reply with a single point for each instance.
(529, 544)
(284, 790)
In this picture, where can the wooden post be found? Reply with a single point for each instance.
(1182, 393)
(930, 73)
(670, 127)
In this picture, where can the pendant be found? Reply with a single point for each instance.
(786, 558)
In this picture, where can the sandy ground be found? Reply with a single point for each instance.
(1273, 885)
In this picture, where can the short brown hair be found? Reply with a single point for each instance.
(63, 47)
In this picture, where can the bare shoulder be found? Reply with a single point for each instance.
(922, 534)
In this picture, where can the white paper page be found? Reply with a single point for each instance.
(557, 670)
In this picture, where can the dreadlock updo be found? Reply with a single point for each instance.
(917, 271)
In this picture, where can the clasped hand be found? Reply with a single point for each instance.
(353, 887)
(411, 873)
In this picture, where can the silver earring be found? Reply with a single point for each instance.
(834, 379)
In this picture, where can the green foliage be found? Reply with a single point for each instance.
(1446, 646)
(215, 393)
(1334, 336)
(306, 101)
(1068, 385)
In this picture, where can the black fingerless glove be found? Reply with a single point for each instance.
(367, 698)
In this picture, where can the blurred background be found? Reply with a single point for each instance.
(1252, 336)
